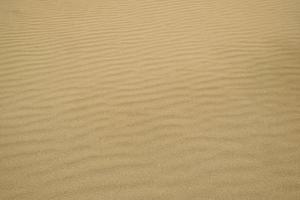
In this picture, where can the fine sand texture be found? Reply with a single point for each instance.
(149, 100)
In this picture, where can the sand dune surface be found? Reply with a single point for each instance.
(142, 100)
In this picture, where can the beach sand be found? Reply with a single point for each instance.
(142, 100)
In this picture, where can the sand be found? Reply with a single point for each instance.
(142, 100)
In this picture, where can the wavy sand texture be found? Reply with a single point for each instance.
(142, 100)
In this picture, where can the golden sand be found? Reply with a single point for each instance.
(144, 100)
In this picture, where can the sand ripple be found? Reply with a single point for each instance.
(149, 100)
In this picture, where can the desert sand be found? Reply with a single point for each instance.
(144, 100)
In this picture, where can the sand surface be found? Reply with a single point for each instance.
(149, 100)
